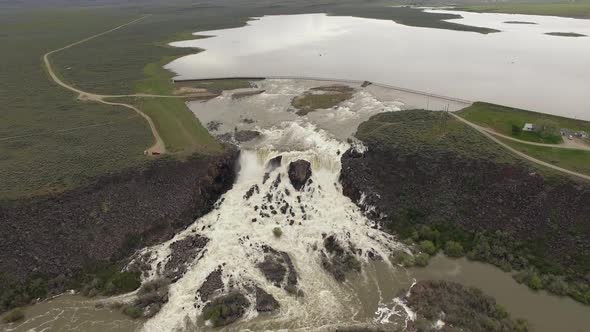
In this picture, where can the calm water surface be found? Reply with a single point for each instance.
(519, 66)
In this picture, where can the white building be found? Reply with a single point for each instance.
(529, 127)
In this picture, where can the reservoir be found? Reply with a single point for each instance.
(519, 66)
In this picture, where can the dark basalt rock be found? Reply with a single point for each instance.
(151, 296)
(212, 284)
(278, 268)
(299, 172)
(464, 309)
(265, 302)
(213, 125)
(107, 220)
(226, 309)
(251, 191)
(246, 135)
(339, 261)
(274, 163)
(183, 251)
(436, 185)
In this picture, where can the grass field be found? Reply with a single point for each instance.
(567, 9)
(431, 132)
(53, 159)
(502, 119)
(574, 160)
(321, 98)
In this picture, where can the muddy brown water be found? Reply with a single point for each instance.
(543, 311)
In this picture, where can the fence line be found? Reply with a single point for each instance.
(311, 78)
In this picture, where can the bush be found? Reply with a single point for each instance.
(421, 260)
(516, 130)
(277, 232)
(402, 258)
(427, 247)
(132, 311)
(123, 282)
(534, 282)
(453, 249)
(555, 284)
(13, 316)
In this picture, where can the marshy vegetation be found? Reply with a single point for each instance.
(323, 97)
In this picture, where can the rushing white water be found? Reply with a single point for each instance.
(238, 228)
(520, 66)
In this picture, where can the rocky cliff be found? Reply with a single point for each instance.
(444, 180)
(106, 221)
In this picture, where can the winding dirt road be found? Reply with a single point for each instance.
(491, 136)
(159, 147)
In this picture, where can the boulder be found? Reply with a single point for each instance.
(226, 309)
(299, 173)
(246, 135)
(265, 302)
(183, 252)
(274, 163)
(212, 284)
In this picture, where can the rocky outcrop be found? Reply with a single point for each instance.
(458, 308)
(265, 302)
(274, 163)
(106, 221)
(226, 309)
(278, 268)
(299, 173)
(549, 215)
(183, 252)
(212, 285)
(338, 261)
(246, 135)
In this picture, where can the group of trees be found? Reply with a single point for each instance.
(497, 248)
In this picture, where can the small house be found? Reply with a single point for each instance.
(529, 127)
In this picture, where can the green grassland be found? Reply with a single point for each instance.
(502, 119)
(431, 133)
(217, 86)
(574, 160)
(52, 159)
(567, 9)
(321, 98)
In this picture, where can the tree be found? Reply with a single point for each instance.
(453, 249)
(547, 128)
(427, 247)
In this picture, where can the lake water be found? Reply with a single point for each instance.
(520, 66)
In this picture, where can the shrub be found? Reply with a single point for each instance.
(402, 258)
(427, 247)
(123, 282)
(132, 311)
(14, 315)
(277, 232)
(421, 259)
(453, 249)
(516, 130)
(534, 282)
(556, 284)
